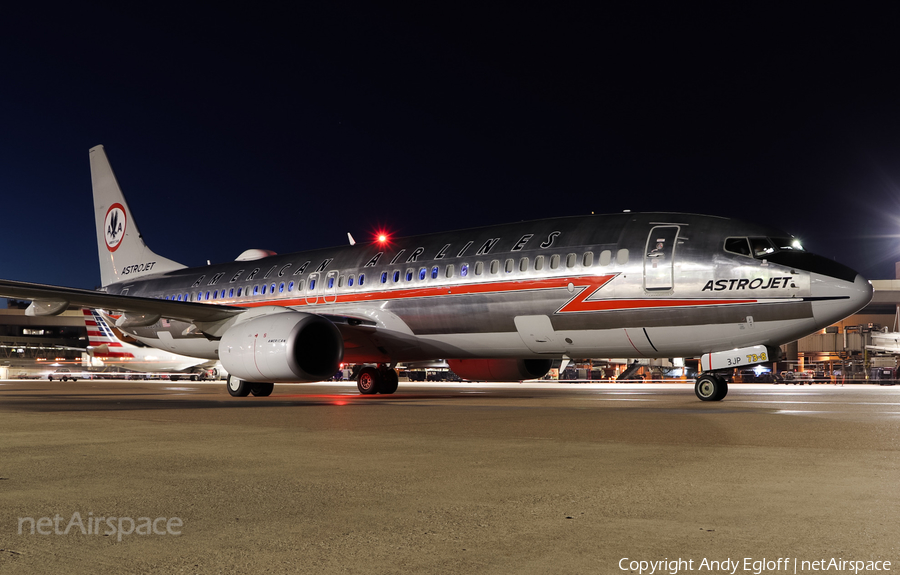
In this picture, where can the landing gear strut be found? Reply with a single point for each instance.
(381, 379)
(711, 387)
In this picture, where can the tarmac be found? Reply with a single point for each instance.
(446, 478)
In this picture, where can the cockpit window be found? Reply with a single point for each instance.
(787, 244)
(737, 246)
(761, 248)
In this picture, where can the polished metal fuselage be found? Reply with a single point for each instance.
(622, 285)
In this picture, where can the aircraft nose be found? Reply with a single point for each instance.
(834, 298)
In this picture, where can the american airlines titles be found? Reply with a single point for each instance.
(485, 249)
(414, 256)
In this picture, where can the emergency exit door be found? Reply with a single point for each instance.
(659, 257)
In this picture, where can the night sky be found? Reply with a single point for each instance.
(286, 128)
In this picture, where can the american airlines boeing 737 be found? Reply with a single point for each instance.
(498, 303)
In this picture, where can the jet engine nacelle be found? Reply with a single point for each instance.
(499, 369)
(282, 347)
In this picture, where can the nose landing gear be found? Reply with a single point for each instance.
(711, 387)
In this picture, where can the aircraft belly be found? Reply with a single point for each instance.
(668, 341)
(496, 314)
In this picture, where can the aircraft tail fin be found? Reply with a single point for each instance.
(102, 342)
(123, 253)
(98, 331)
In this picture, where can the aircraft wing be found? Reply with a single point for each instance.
(52, 300)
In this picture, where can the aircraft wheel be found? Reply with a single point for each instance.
(74, 380)
(369, 381)
(237, 387)
(723, 390)
(389, 381)
(710, 387)
(261, 389)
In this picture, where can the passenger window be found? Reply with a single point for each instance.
(539, 263)
(272, 290)
(588, 259)
(350, 281)
(207, 296)
(622, 257)
(495, 266)
(312, 284)
(523, 265)
(605, 257)
(341, 281)
(510, 265)
(239, 292)
(409, 275)
(554, 261)
(479, 268)
(330, 282)
(231, 293)
(384, 277)
(464, 270)
(423, 273)
(434, 273)
(448, 273)
(737, 246)
(570, 260)
(262, 290)
(362, 279)
(280, 287)
(396, 276)
(290, 286)
(299, 285)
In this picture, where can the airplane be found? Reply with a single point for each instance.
(104, 344)
(498, 303)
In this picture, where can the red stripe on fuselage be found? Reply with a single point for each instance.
(579, 303)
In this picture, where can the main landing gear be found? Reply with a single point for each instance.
(240, 388)
(711, 387)
(381, 379)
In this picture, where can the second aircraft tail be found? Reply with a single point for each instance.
(123, 253)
